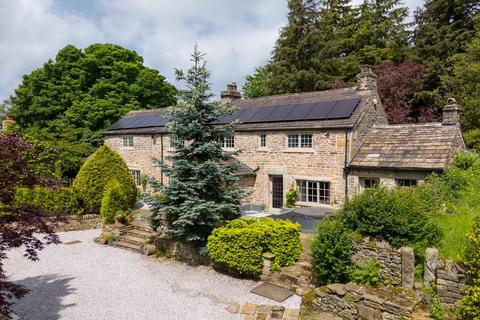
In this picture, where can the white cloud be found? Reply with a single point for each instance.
(236, 35)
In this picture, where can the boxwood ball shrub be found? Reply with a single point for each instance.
(59, 201)
(114, 201)
(240, 244)
(100, 168)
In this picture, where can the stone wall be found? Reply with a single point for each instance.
(396, 264)
(180, 251)
(351, 301)
(448, 277)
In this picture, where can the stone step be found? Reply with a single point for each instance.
(139, 233)
(128, 246)
(132, 239)
(139, 225)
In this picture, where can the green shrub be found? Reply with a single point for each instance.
(101, 167)
(292, 196)
(366, 273)
(60, 201)
(114, 202)
(466, 160)
(331, 249)
(241, 242)
(435, 306)
(398, 216)
(471, 301)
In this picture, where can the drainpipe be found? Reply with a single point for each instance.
(161, 148)
(346, 168)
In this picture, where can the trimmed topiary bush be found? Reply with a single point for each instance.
(61, 201)
(100, 168)
(332, 250)
(114, 202)
(240, 244)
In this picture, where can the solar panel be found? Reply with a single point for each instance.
(299, 112)
(263, 114)
(320, 110)
(343, 109)
(230, 117)
(280, 114)
(248, 114)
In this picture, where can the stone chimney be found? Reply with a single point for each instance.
(451, 113)
(231, 93)
(366, 79)
(8, 121)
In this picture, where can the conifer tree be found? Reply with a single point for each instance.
(201, 192)
(381, 32)
(443, 28)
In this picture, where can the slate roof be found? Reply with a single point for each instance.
(241, 169)
(412, 147)
(150, 121)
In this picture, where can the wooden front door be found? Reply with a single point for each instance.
(277, 192)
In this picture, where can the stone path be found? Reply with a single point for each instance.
(88, 281)
(261, 312)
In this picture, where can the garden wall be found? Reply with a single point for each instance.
(448, 277)
(397, 264)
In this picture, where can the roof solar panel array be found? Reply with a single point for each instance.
(324, 110)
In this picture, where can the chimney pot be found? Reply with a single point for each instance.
(366, 79)
(451, 113)
(231, 93)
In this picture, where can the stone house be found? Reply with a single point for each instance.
(329, 144)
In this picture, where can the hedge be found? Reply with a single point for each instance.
(100, 168)
(61, 201)
(114, 201)
(240, 244)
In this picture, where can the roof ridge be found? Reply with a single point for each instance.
(292, 94)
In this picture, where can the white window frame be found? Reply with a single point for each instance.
(137, 177)
(314, 191)
(227, 142)
(406, 183)
(300, 141)
(363, 182)
(127, 142)
(262, 141)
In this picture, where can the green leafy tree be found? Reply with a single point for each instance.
(69, 101)
(256, 85)
(99, 169)
(202, 192)
(443, 29)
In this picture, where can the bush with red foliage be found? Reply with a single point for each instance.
(19, 226)
(397, 84)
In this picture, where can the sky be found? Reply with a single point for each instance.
(236, 36)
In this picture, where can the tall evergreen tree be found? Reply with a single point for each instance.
(463, 82)
(443, 28)
(202, 192)
(291, 66)
(381, 32)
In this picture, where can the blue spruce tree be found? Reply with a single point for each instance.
(202, 191)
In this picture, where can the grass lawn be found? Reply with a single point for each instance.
(455, 226)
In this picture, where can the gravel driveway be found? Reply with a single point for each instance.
(89, 281)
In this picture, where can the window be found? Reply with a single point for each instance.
(314, 191)
(136, 177)
(406, 183)
(128, 142)
(300, 140)
(228, 142)
(369, 182)
(263, 141)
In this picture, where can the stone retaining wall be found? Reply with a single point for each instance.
(180, 251)
(448, 277)
(353, 302)
(397, 265)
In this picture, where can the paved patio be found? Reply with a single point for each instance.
(89, 281)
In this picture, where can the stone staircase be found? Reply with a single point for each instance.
(297, 277)
(134, 236)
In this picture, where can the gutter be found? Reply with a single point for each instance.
(346, 168)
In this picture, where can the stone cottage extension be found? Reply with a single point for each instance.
(330, 144)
